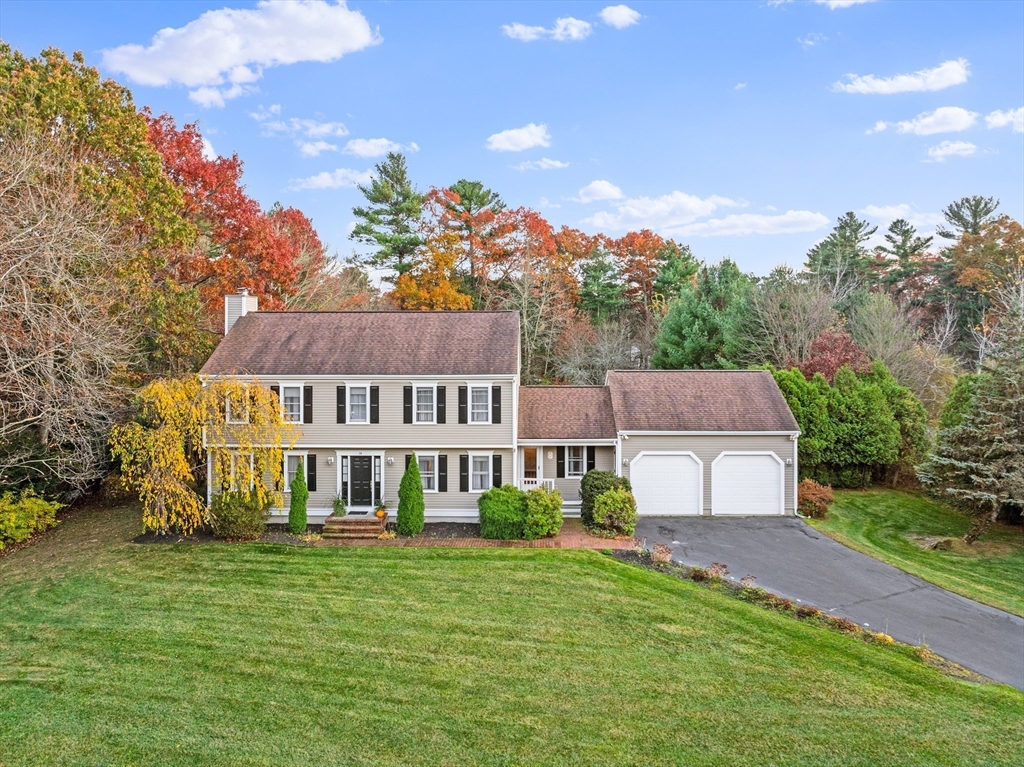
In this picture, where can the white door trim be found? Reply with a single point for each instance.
(689, 454)
(782, 475)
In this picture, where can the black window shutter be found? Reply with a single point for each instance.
(463, 404)
(442, 474)
(407, 405)
(408, 460)
(591, 457)
(560, 464)
(341, 404)
(495, 404)
(374, 404)
(277, 392)
(463, 473)
(496, 470)
(311, 472)
(441, 397)
(307, 404)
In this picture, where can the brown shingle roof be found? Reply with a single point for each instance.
(565, 412)
(369, 343)
(698, 400)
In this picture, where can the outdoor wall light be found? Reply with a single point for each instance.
(391, 461)
(330, 460)
(789, 461)
(550, 455)
(625, 462)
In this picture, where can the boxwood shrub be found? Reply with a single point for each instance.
(543, 513)
(503, 513)
(594, 483)
(615, 511)
(238, 514)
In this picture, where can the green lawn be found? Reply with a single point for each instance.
(114, 653)
(882, 523)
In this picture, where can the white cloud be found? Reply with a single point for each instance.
(941, 120)
(835, 4)
(295, 126)
(886, 214)
(739, 86)
(342, 177)
(943, 76)
(950, 149)
(209, 153)
(265, 113)
(812, 39)
(314, 148)
(377, 147)
(742, 224)
(660, 213)
(1000, 119)
(518, 139)
(879, 127)
(619, 16)
(565, 28)
(542, 164)
(599, 190)
(223, 52)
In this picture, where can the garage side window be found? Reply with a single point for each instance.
(576, 461)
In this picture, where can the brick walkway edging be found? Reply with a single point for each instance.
(573, 536)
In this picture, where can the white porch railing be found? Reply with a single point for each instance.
(532, 482)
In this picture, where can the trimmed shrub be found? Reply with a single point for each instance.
(410, 500)
(297, 503)
(594, 483)
(240, 515)
(814, 499)
(543, 513)
(23, 516)
(615, 511)
(503, 513)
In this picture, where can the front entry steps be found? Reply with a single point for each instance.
(352, 527)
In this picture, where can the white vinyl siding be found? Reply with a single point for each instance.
(358, 404)
(291, 398)
(424, 404)
(575, 461)
(480, 404)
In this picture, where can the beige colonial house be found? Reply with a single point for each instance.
(370, 389)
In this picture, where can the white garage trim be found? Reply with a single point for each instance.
(782, 475)
(686, 453)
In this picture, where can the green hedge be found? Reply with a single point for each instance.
(615, 511)
(543, 514)
(594, 483)
(238, 514)
(410, 500)
(503, 513)
(23, 516)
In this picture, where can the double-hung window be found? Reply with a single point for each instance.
(576, 461)
(291, 470)
(480, 404)
(481, 472)
(424, 404)
(428, 471)
(358, 408)
(291, 398)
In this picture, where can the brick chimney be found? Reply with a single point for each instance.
(236, 306)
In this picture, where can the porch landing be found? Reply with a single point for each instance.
(572, 536)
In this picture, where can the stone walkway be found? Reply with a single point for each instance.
(573, 536)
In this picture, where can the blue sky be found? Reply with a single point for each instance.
(742, 129)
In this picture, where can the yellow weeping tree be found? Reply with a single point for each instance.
(180, 424)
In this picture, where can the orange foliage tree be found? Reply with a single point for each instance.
(432, 283)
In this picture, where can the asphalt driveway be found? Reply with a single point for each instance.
(792, 559)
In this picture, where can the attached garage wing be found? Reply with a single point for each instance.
(667, 484)
(747, 484)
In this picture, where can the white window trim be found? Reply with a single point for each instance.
(348, 401)
(470, 385)
(287, 489)
(434, 456)
(227, 410)
(567, 449)
(281, 385)
(490, 469)
(416, 386)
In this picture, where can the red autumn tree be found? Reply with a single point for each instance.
(830, 351)
(639, 256)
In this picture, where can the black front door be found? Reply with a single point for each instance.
(361, 492)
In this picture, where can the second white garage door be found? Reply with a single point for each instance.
(746, 483)
(666, 484)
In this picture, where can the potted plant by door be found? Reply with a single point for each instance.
(339, 506)
(382, 510)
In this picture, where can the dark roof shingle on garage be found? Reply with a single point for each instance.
(565, 412)
(369, 343)
(698, 400)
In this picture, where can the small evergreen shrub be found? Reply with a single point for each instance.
(594, 483)
(239, 514)
(24, 515)
(297, 503)
(543, 513)
(503, 513)
(410, 500)
(615, 511)
(814, 499)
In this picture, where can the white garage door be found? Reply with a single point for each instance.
(745, 483)
(666, 484)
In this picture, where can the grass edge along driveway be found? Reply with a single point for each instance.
(124, 654)
(883, 523)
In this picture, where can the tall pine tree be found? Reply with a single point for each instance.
(842, 257)
(602, 293)
(391, 220)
